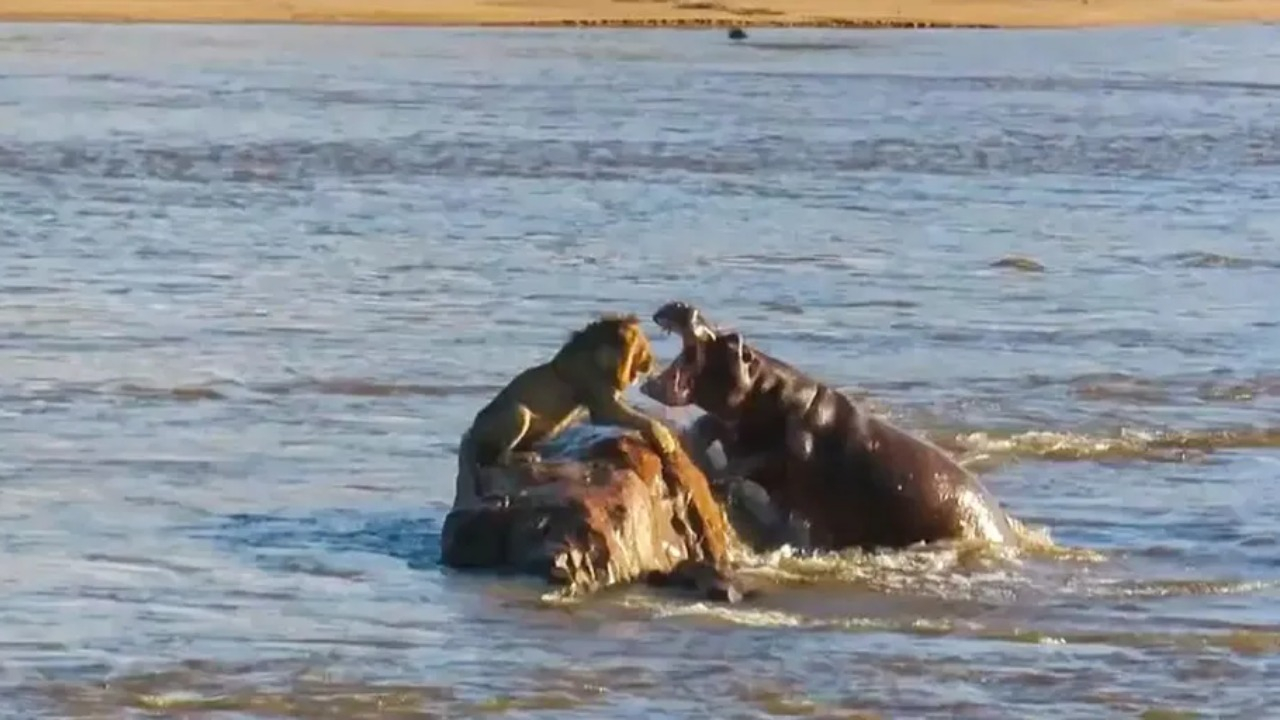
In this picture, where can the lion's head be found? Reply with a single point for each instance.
(617, 347)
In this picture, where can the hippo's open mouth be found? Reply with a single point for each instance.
(683, 318)
(674, 385)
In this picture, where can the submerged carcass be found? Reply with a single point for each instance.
(599, 509)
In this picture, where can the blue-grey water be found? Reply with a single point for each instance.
(254, 282)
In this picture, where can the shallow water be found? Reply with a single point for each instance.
(256, 280)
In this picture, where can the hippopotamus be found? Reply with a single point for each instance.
(857, 479)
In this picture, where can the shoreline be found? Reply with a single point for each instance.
(668, 14)
(583, 23)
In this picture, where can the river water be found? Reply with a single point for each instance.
(255, 281)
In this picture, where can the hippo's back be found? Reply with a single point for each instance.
(912, 490)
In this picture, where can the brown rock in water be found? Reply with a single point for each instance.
(1018, 262)
(609, 514)
(704, 579)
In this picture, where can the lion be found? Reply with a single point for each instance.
(587, 376)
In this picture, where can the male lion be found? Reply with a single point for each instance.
(588, 375)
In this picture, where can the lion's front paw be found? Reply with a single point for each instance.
(665, 441)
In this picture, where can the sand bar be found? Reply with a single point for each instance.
(655, 13)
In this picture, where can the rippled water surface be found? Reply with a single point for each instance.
(255, 281)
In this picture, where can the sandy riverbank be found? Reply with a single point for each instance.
(660, 13)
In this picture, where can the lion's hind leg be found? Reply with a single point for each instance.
(507, 432)
(493, 446)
